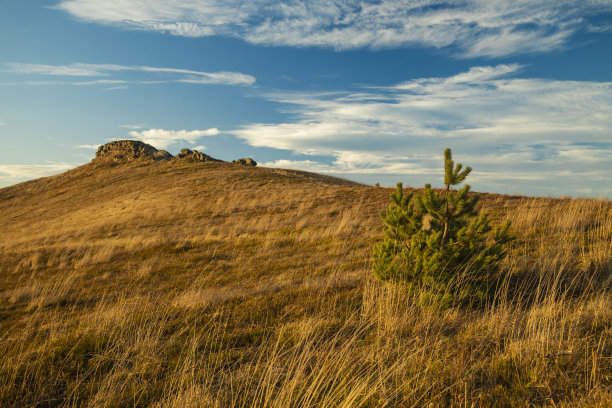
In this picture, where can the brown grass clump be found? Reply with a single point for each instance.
(177, 284)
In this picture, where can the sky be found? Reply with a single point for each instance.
(372, 91)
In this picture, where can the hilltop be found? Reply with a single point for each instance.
(146, 279)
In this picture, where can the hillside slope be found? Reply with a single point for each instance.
(203, 283)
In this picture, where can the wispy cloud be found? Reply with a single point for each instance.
(15, 172)
(103, 82)
(88, 146)
(150, 75)
(508, 129)
(491, 28)
(135, 127)
(162, 138)
(62, 70)
(600, 28)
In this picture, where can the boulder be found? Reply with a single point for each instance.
(194, 155)
(246, 162)
(128, 150)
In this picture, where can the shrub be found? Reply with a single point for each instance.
(436, 239)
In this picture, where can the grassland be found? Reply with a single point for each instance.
(177, 284)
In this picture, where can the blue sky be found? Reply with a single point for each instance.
(368, 90)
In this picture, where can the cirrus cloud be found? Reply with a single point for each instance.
(520, 134)
(490, 28)
(162, 74)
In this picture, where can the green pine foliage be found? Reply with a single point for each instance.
(435, 239)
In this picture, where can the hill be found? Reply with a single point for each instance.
(183, 281)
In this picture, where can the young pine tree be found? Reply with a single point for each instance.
(433, 238)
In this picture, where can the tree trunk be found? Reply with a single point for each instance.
(446, 219)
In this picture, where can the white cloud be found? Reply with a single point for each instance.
(62, 70)
(226, 78)
(115, 88)
(308, 165)
(508, 129)
(88, 146)
(96, 70)
(489, 28)
(134, 127)
(199, 148)
(72, 83)
(162, 138)
(98, 82)
(14, 172)
(599, 28)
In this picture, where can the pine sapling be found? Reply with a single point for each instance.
(433, 237)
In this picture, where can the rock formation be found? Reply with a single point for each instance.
(194, 155)
(128, 150)
(247, 162)
(162, 155)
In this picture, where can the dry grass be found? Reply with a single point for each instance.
(206, 284)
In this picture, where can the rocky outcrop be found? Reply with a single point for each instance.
(129, 150)
(162, 155)
(246, 162)
(194, 155)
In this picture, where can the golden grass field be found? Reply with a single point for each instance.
(178, 284)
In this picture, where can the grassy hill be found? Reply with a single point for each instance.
(179, 283)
